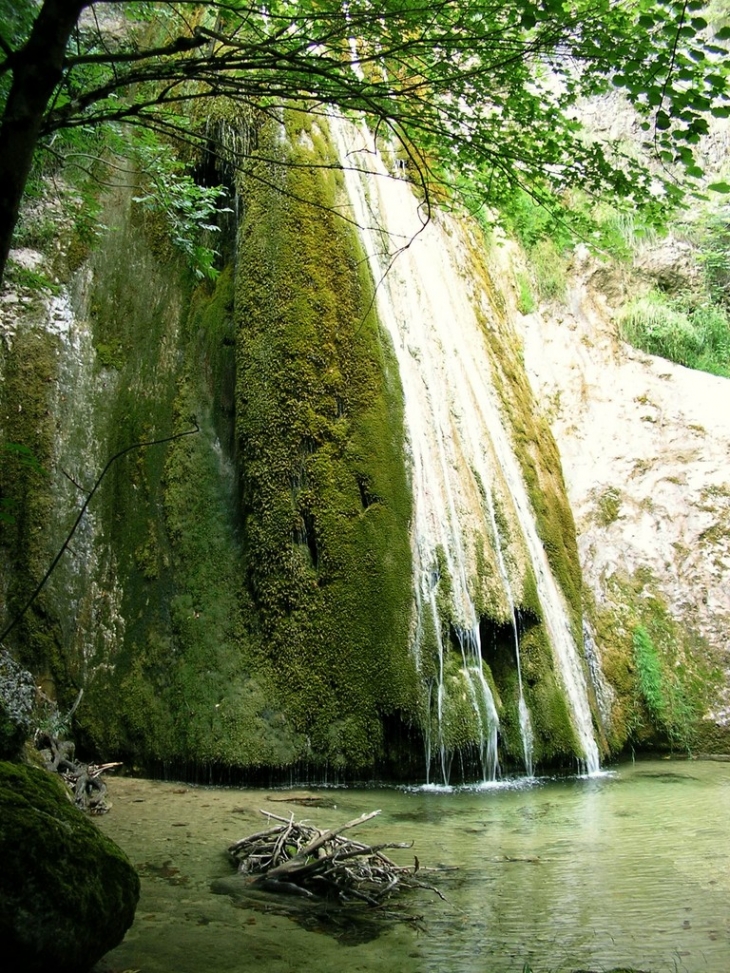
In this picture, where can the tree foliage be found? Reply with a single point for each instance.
(475, 90)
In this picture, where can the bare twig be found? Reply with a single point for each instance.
(297, 857)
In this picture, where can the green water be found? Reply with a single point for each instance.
(625, 870)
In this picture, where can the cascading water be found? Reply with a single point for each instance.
(526, 734)
(462, 466)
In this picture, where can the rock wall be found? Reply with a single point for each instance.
(645, 448)
(240, 595)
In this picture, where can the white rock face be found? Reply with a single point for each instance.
(651, 438)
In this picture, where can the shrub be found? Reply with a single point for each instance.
(697, 337)
(525, 298)
(662, 689)
(548, 271)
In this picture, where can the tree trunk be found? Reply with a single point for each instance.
(36, 70)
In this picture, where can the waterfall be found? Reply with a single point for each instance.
(524, 713)
(462, 463)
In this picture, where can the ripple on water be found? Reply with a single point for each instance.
(562, 875)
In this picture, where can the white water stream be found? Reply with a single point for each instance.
(461, 456)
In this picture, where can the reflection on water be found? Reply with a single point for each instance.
(628, 869)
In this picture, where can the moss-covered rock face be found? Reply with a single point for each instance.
(67, 892)
(660, 672)
(192, 689)
(536, 450)
(240, 596)
(325, 500)
(29, 367)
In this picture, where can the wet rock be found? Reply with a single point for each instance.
(67, 892)
(17, 695)
(672, 266)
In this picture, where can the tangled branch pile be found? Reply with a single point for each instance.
(296, 858)
(83, 780)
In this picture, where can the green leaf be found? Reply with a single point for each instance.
(719, 187)
(654, 96)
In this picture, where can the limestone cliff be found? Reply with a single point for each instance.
(337, 539)
(645, 448)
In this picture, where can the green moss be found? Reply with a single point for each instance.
(608, 506)
(555, 741)
(460, 726)
(67, 892)
(663, 674)
(541, 469)
(274, 631)
(428, 641)
(27, 428)
(110, 356)
(488, 596)
(222, 680)
(191, 684)
(444, 592)
(535, 448)
(13, 734)
(325, 500)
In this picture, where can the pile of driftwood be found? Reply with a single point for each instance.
(84, 780)
(298, 859)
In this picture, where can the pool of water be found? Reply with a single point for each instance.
(628, 869)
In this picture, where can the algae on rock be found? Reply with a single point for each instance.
(67, 893)
(325, 498)
(245, 595)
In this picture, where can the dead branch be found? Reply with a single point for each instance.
(83, 780)
(297, 858)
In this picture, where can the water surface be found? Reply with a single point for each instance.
(629, 869)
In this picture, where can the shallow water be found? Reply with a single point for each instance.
(629, 869)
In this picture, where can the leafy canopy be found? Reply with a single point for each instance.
(476, 91)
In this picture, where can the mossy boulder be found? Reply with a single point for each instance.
(67, 892)
(12, 735)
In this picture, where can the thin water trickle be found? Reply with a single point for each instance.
(626, 870)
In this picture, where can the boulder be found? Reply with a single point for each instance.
(67, 892)
(671, 265)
